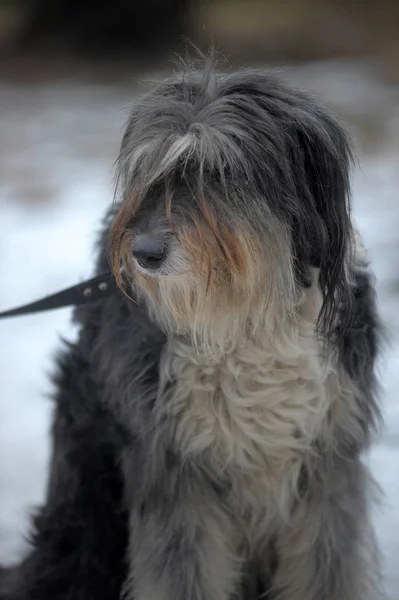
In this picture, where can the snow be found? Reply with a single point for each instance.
(58, 144)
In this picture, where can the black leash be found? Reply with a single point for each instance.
(83, 293)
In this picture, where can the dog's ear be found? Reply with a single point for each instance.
(322, 229)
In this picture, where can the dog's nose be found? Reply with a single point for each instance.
(149, 252)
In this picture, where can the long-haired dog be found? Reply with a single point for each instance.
(211, 419)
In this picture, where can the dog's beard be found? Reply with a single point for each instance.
(217, 307)
(185, 305)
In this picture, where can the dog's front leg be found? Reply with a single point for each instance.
(327, 552)
(182, 546)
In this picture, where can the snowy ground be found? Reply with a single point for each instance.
(58, 143)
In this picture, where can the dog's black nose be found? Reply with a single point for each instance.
(149, 252)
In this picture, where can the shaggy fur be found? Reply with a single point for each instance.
(211, 419)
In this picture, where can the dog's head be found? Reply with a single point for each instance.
(232, 188)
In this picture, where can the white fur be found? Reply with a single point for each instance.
(183, 145)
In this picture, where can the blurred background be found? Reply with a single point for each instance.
(69, 70)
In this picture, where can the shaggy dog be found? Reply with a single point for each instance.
(211, 419)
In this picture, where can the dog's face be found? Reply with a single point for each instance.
(233, 187)
(203, 266)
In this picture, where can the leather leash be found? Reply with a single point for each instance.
(77, 295)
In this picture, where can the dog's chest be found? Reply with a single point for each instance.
(253, 413)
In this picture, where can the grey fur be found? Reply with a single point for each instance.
(241, 465)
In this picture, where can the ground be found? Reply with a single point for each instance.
(58, 143)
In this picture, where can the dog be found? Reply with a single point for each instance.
(211, 420)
